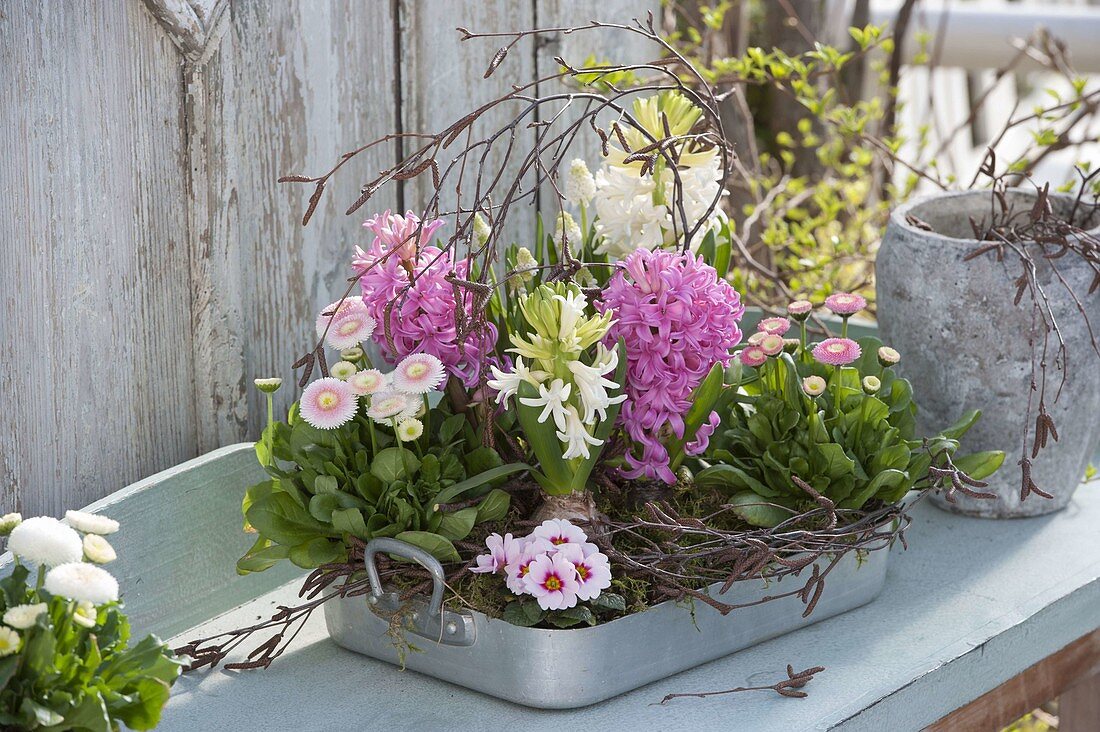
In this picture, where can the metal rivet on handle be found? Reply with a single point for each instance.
(452, 628)
(415, 617)
(373, 600)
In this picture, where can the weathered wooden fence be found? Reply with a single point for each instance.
(150, 266)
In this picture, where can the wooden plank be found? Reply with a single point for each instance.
(285, 88)
(608, 45)
(970, 605)
(1027, 690)
(1079, 705)
(93, 268)
(179, 540)
(441, 81)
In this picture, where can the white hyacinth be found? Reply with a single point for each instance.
(580, 187)
(90, 523)
(567, 228)
(9, 642)
(592, 385)
(507, 384)
(627, 218)
(82, 582)
(481, 230)
(552, 400)
(22, 617)
(98, 549)
(45, 541)
(575, 436)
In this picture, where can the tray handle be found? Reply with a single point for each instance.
(431, 620)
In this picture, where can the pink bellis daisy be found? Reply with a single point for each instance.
(772, 345)
(677, 319)
(421, 306)
(345, 324)
(845, 303)
(552, 579)
(774, 326)
(837, 351)
(384, 408)
(753, 356)
(328, 403)
(367, 381)
(418, 373)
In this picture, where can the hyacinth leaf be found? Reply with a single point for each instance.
(554, 474)
(459, 489)
(434, 544)
(757, 511)
(980, 465)
(723, 253)
(603, 429)
(706, 247)
(703, 401)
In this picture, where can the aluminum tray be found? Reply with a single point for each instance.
(564, 669)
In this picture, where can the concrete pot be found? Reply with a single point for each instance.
(964, 345)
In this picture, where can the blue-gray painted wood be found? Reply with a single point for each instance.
(180, 537)
(971, 604)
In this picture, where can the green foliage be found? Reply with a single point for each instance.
(526, 612)
(327, 486)
(66, 676)
(853, 447)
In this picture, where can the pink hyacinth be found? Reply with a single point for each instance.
(774, 326)
(328, 403)
(422, 318)
(845, 303)
(837, 351)
(552, 579)
(398, 233)
(677, 319)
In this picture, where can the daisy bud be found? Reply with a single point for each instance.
(351, 354)
(409, 430)
(342, 370)
(755, 338)
(871, 384)
(813, 385)
(800, 310)
(98, 550)
(888, 356)
(268, 386)
(8, 522)
(85, 614)
(790, 345)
